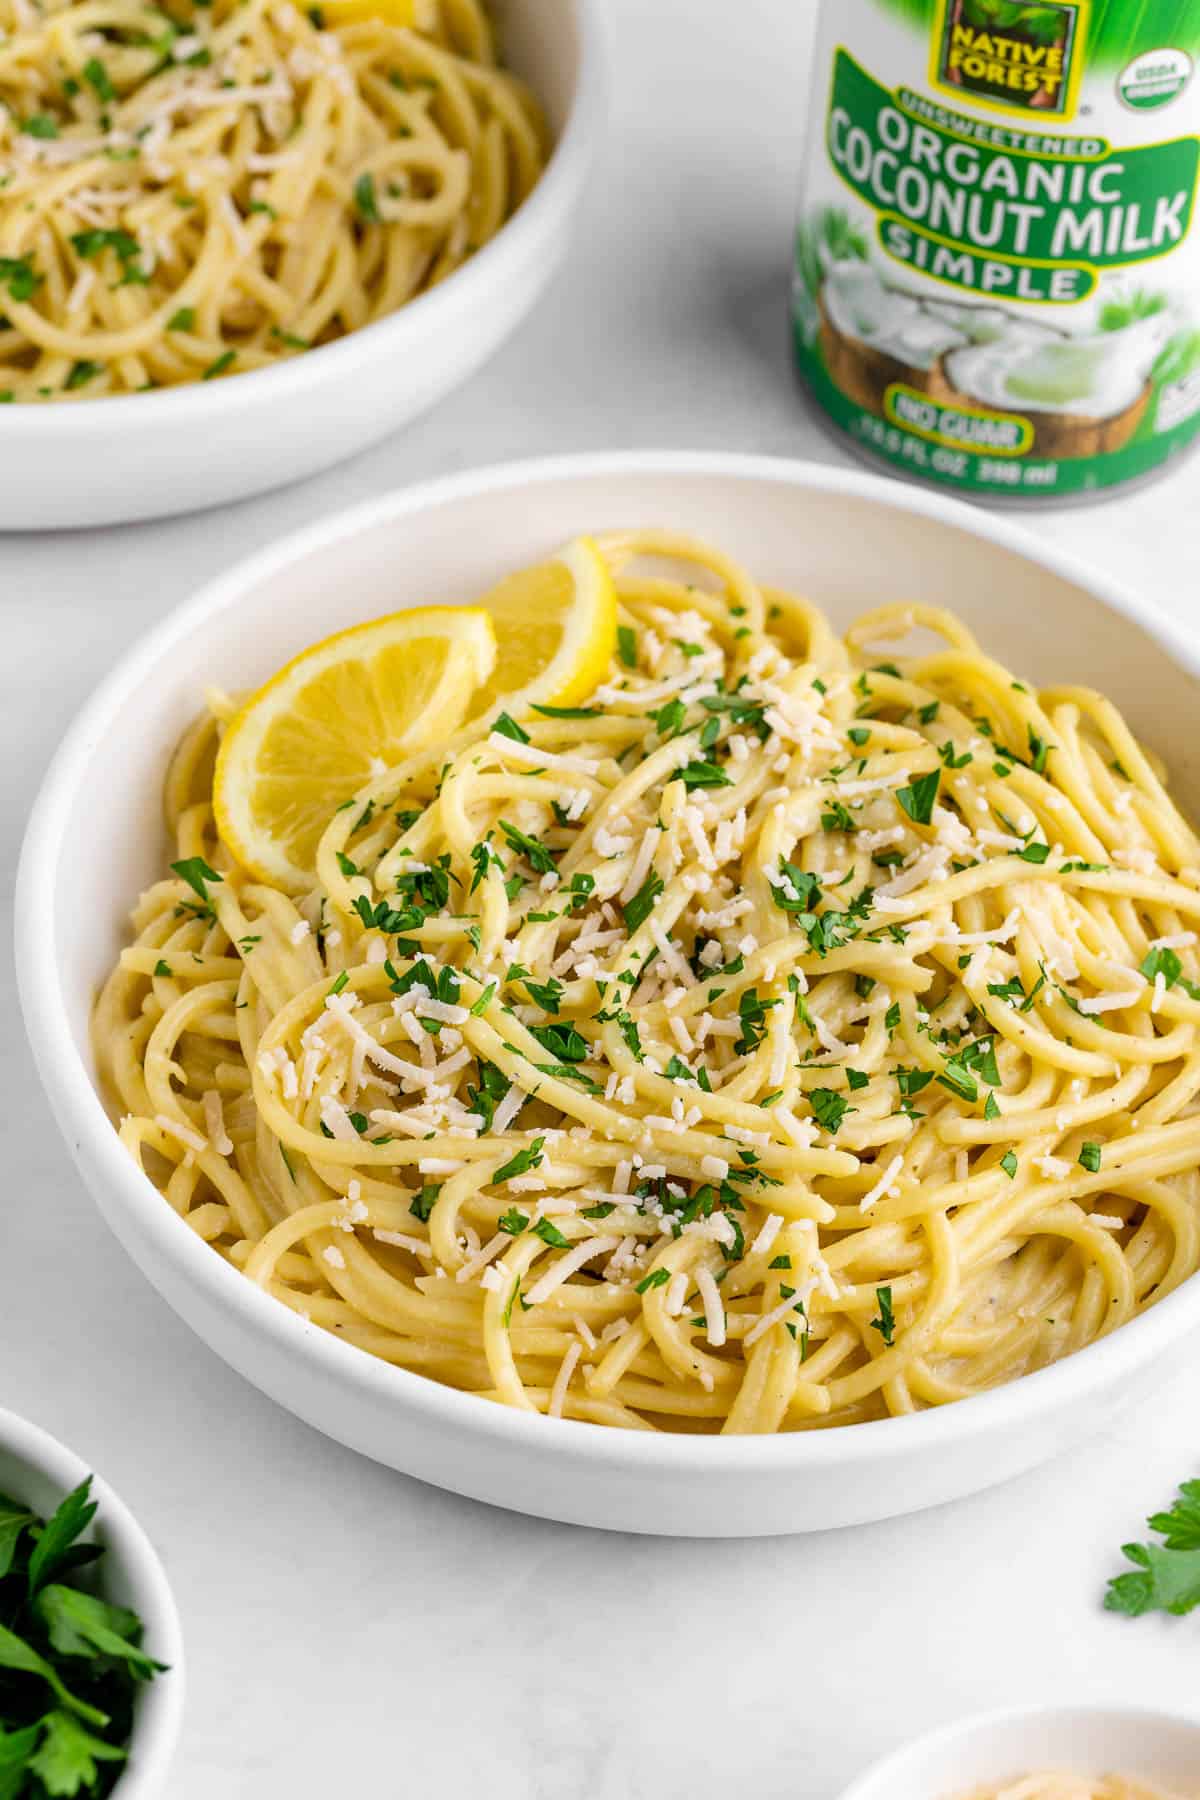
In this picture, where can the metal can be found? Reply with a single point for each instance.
(997, 271)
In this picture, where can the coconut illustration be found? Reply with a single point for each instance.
(1083, 396)
(874, 336)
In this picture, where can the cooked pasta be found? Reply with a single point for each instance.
(805, 1030)
(1061, 1785)
(193, 190)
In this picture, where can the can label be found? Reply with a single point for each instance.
(997, 278)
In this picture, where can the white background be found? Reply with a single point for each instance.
(351, 1632)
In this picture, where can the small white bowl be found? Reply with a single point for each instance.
(35, 1467)
(140, 456)
(846, 539)
(1158, 1748)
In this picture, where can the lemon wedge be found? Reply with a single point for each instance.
(335, 716)
(556, 632)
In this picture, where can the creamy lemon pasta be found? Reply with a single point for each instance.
(193, 190)
(803, 1028)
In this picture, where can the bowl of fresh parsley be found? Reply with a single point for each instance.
(91, 1656)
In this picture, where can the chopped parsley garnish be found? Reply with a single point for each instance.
(1039, 749)
(1162, 962)
(162, 966)
(183, 320)
(638, 909)
(656, 1278)
(703, 775)
(80, 374)
(1089, 1158)
(752, 1015)
(563, 1041)
(98, 79)
(40, 125)
(484, 1099)
(522, 1162)
(19, 276)
(513, 1221)
(221, 364)
(196, 872)
(627, 646)
(946, 752)
(885, 1324)
(918, 797)
(829, 1109)
(1034, 853)
(549, 1233)
(531, 848)
(365, 201)
(423, 1203)
(1008, 1162)
(508, 727)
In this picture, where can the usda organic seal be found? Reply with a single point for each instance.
(1154, 79)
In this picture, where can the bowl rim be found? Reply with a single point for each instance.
(160, 1708)
(398, 334)
(878, 1774)
(89, 1131)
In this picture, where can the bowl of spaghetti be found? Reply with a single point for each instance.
(757, 1095)
(239, 242)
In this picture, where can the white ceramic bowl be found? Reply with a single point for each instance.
(1161, 1749)
(36, 1468)
(140, 456)
(846, 539)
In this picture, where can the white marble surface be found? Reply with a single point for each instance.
(352, 1632)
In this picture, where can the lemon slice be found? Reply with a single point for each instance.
(335, 716)
(556, 631)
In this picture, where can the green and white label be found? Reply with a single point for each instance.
(1000, 289)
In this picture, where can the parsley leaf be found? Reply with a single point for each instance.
(917, 799)
(522, 1162)
(1166, 1576)
(885, 1324)
(549, 1233)
(365, 201)
(656, 1278)
(638, 910)
(196, 872)
(829, 1109)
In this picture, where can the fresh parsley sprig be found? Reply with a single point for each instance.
(1165, 1577)
(71, 1662)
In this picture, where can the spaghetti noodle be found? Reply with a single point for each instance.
(805, 1030)
(189, 191)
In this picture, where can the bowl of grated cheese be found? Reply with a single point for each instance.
(1044, 1753)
